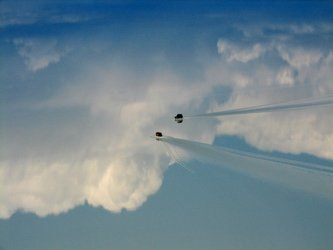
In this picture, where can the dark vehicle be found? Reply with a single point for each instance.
(158, 134)
(179, 118)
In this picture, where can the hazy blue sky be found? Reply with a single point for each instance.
(84, 84)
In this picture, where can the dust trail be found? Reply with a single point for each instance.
(315, 168)
(306, 177)
(176, 159)
(299, 104)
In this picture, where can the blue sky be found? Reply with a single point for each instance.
(84, 84)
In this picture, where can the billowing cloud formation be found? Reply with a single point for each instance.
(85, 135)
(90, 142)
(298, 71)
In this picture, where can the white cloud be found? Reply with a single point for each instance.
(38, 53)
(299, 57)
(306, 74)
(89, 140)
(16, 13)
(285, 76)
(235, 53)
(302, 29)
(110, 160)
